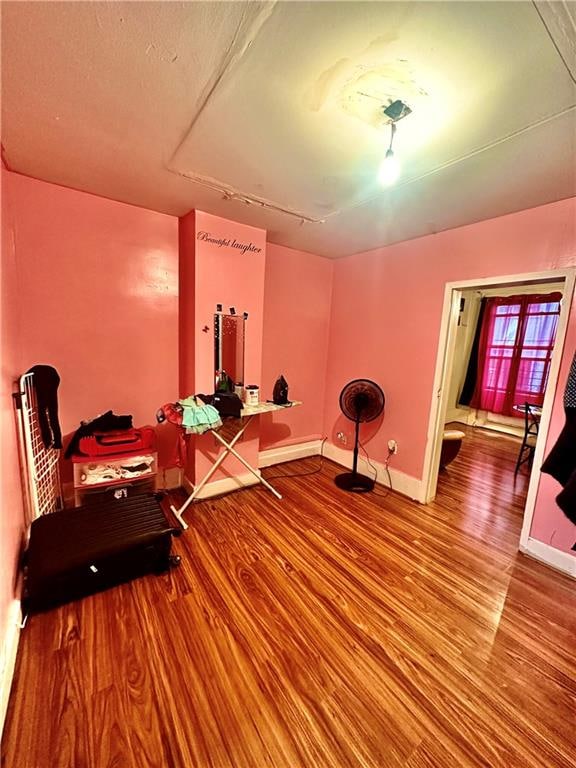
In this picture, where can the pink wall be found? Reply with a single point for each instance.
(297, 298)
(227, 275)
(549, 524)
(97, 291)
(186, 303)
(11, 508)
(386, 314)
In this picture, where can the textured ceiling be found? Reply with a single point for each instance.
(271, 113)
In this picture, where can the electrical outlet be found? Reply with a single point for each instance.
(342, 437)
(392, 446)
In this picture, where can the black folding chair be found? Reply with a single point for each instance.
(531, 421)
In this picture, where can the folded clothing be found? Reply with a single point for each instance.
(130, 467)
(199, 418)
(196, 417)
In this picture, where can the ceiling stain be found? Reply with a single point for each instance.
(370, 88)
(381, 44)
(363, 84)
(320, 90)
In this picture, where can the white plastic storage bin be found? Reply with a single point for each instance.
(104, 473)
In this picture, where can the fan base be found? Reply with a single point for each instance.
(352, 481)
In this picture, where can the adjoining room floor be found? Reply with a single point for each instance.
(484, 472)
(326, 630)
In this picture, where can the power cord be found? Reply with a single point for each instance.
(319, 469)
(303, 474)
(374, 469)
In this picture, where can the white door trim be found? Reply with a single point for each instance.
(444, 360)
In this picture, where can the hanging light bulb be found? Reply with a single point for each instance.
(389, 170)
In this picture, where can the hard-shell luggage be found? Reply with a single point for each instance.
(104, 542)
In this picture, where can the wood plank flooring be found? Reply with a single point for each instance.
(326, 630)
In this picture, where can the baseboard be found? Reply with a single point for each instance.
(458, 414)
(471, 419)
(273, 456)
(555, 558)
(8, 658)
(169, 478)
(404, 484)
(225, 485)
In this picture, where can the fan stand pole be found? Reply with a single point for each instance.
(353, 481)
(356, 441)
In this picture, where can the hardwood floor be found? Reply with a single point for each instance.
(323, 630)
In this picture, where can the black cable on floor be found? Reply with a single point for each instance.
(375, 478)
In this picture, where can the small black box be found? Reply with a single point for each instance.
(107, 541)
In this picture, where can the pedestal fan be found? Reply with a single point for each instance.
(361, 401)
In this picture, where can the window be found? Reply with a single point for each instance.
(516, 343)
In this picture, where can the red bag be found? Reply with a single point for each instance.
(123, 441)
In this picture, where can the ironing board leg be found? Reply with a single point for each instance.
(230, 449)
(197, 488)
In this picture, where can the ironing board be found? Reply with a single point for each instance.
(248, 413)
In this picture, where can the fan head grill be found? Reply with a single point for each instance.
(362, 400)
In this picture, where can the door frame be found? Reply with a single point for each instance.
(444, 366)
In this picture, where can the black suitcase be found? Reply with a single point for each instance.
(104, 542)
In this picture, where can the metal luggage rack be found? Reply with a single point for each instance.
(40, 465)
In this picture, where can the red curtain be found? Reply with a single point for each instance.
(516, 343)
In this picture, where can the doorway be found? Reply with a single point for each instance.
(502, 432)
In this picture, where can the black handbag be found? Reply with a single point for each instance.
(227, 404)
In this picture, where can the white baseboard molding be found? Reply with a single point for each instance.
(169, 478)
(460, 415)
(224, 485)
(471, 419)
(503, 429)
(404, 484)
(555, 558)
(273, 456)
(8, 658)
